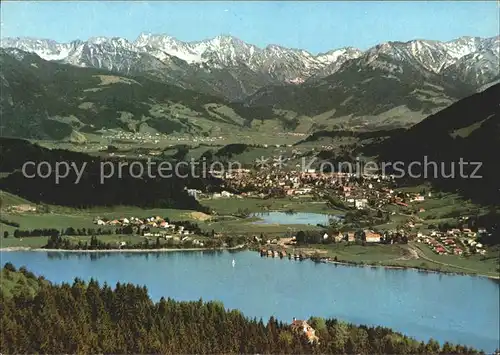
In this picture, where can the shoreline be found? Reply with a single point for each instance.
(160, 250)
(241, 247)
(395, 267)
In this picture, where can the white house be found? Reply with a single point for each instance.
(193, 192)
(360, 203)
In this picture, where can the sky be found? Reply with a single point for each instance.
(313, 26)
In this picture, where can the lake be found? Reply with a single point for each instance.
(460, 309)
(276, 217)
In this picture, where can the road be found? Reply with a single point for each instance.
(420, 254)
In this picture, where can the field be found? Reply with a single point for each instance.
(8, 199)
(434, 210)
(488, 265)
(246, 227)
(62, 217)
(401, 256)
(231, 225)
(302, 204)
(366, 254)
(95, 143)
(38, 242)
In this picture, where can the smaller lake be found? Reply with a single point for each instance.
(293, 218)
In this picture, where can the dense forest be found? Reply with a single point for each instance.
(40, 317)
(127, 189)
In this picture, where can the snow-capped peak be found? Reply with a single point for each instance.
(275, 62)
(97, 40)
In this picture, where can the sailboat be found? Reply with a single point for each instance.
(233, 262)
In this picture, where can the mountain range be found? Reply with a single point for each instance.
(48, 100)
(224, 65)
(389, 85)
(469, 59)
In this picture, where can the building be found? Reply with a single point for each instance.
(440, 250)
(372, 237)
(22, 208)
(100, 222)
(360, 203)
(301, 326)
(418, 198)
(193, 192)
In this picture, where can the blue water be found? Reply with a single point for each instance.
(460, 309)
(292, 218)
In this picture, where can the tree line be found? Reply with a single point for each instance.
(92, 318)
(317, 237)
(120, 189)
(123, 230)
(94, 243)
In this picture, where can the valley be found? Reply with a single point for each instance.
(99, 95)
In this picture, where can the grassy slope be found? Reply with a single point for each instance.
(60, 217)
(61, 98)
(435, 140)
(228, 206)
(8, 199)
(16, 282)
(397, 256)
(361, 95)
(63, 217)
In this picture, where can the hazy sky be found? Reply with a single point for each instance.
(314, 26)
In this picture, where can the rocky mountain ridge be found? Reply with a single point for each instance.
(229, 67)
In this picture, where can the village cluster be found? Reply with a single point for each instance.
(355, 191)
(155, 138)
(454, 241)
(163, 228)
(369, 192)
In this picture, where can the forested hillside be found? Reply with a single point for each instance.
(49, 100)
(89, 318)
(124, 189)
(468, 130)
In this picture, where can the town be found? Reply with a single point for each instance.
(377, 199)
